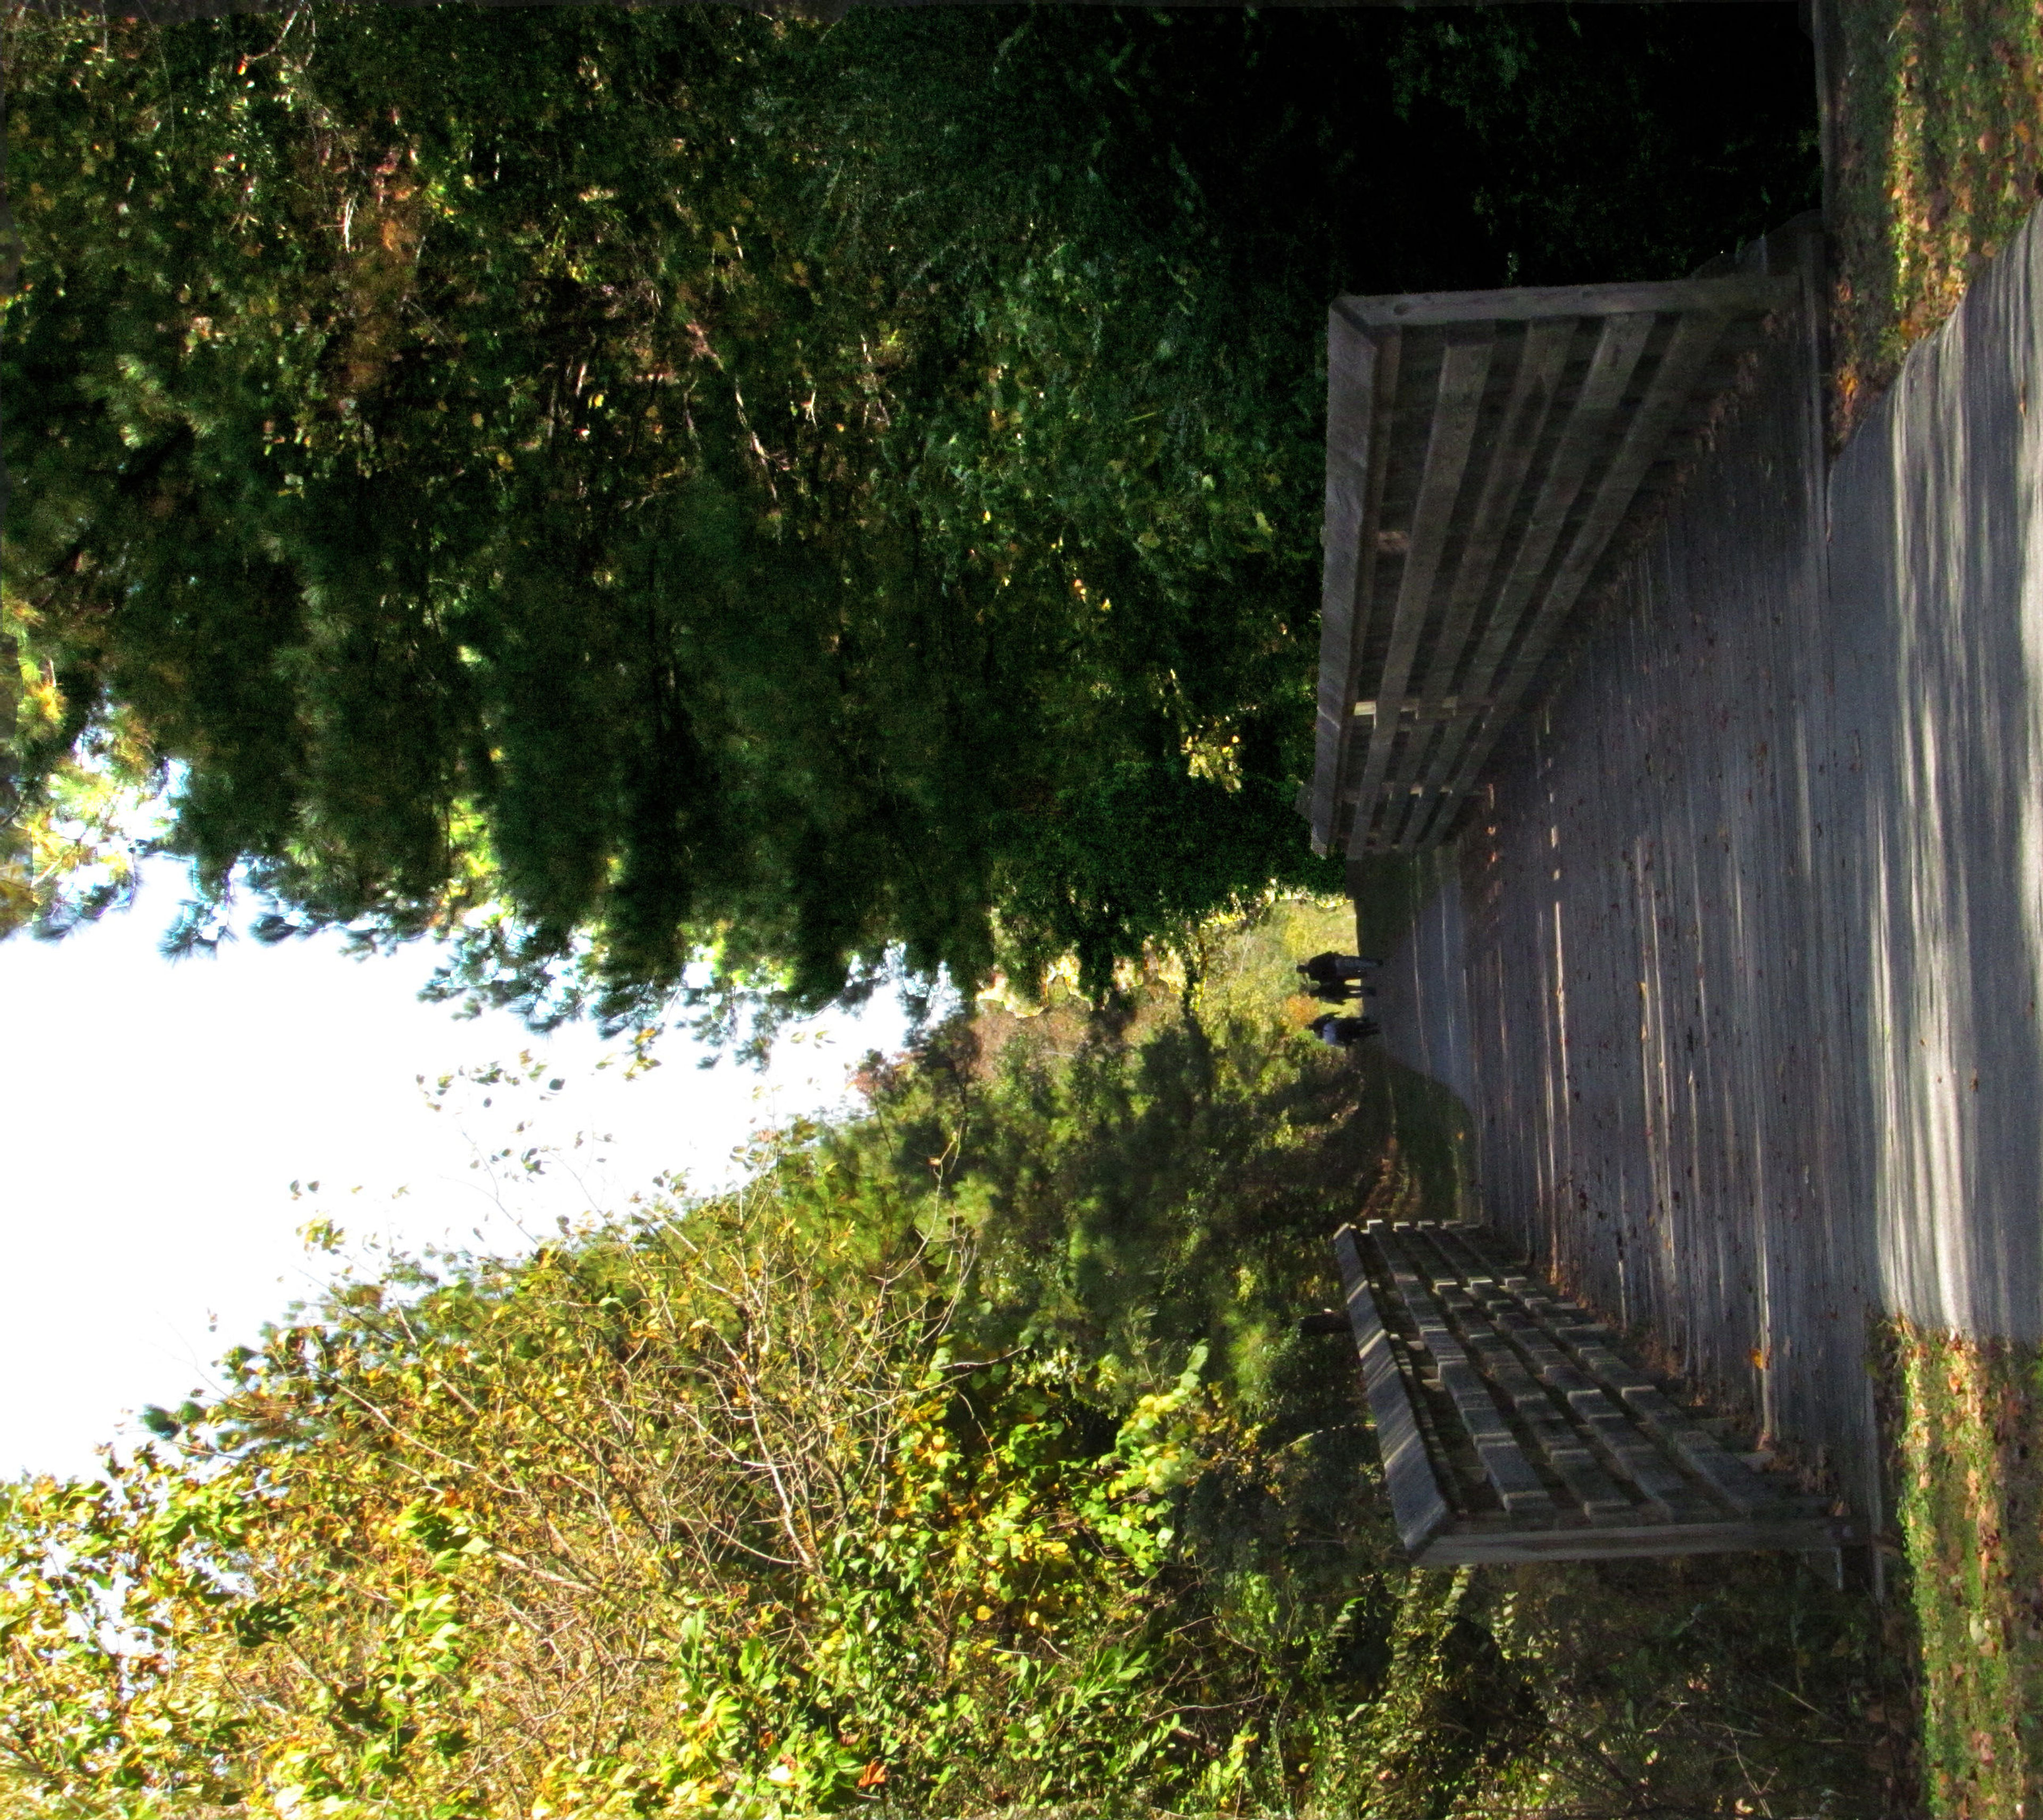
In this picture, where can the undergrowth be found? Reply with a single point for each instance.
(1939, 161)
(1967, 1439)
(969, 1460)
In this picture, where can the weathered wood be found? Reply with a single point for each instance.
(1618, 350)
(1741, 292)
(1510, 518)
(1464, 370)
(1695, 338)
(1592, 1489)
(1390, 364)
(1352, 357)
(1534, 386)
(1416, 1506)
(1676, 1047)
(1700, 1451)
(1462, 1546)
(1588, 1343)
(1564, 1449)
(1663, 1492)
(1661, 1486)
(1503, 1463)
(1538, 1390)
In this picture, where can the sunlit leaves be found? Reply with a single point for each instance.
(613, 549)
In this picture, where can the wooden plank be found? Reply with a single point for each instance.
(1541, 359)
(1503, 1462)
(1389, 360)
(1458, 403)
(1695, 788)
(1661, 1489)
(1416, 1505)
(1663, 1492)
(1397, 798)
(1352, 357)
(1695, 339)
(1459, 1311)
(1600, 1497)
(1725, 1474)
(1562, 1322)
(1748, 293)
(1619, 348)
(1460, 1546)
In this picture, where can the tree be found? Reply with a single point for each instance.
(617, 489)
(969, 1457)
(68, 845)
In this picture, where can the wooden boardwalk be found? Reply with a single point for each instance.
(1936, 637)
(1741, 953)
(1738, 961)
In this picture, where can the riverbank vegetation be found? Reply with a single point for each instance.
(967, 1460)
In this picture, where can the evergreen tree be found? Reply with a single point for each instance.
(616, 488)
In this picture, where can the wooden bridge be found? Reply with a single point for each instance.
(1736, 954)
(1492, 458)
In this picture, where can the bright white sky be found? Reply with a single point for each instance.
(153, 1117)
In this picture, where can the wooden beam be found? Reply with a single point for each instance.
(1729, 1477)
(1698, 1450)
(1398, 802)
(1542, 359)
(1459, 1545)
(1351, 400)
(1695, 339)
(1566, 1452)
(1664, 1493)
(1464, 373)
(1362, 392)
(1389, 362)
(1416, 1505)
(1618, 350)
(1592, 1489)
(1745, 293)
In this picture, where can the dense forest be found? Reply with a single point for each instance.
(623, 490)
(970, 1459)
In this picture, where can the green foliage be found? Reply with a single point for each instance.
(70, 841)
(703, 1516)
(613, 488)
(1966, 1450)
(874, 1486)
(580, 1537)
(1939, 162)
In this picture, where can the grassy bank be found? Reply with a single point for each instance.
(1968, 1456)
(1939, 159)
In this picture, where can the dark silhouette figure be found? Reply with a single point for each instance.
(1330, 969)
(1341, 991)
